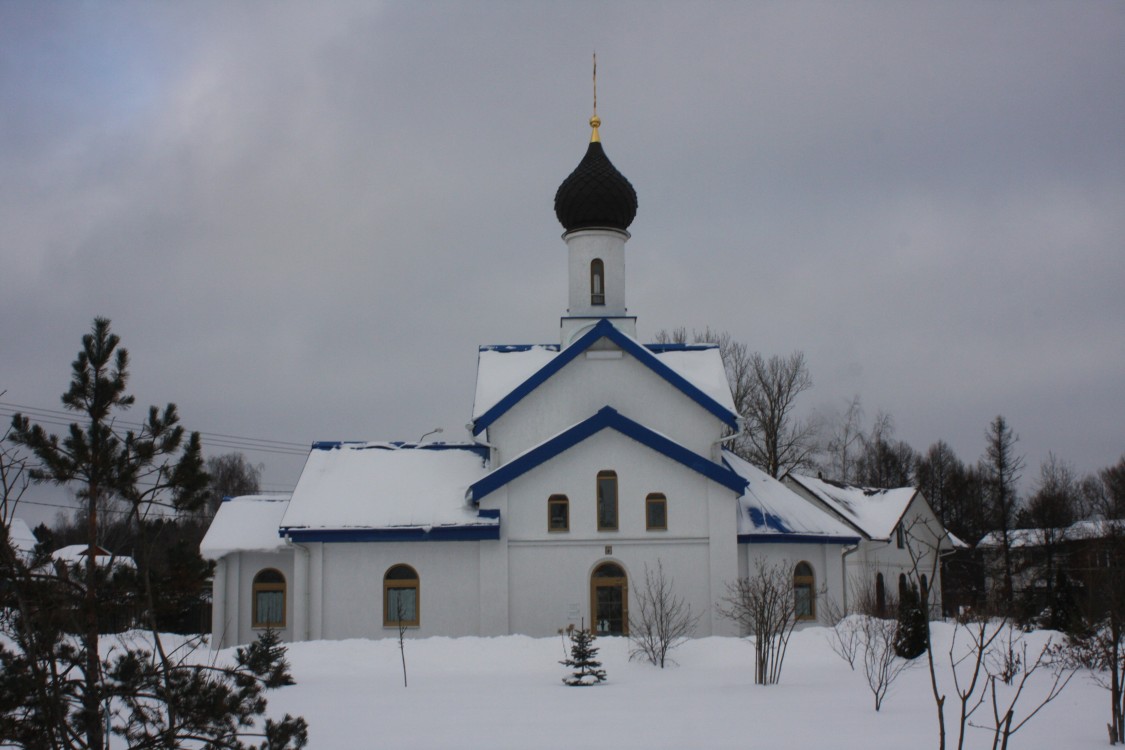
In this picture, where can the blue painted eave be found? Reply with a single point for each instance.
(606, 418)
(605, 329)
(482, 532)
(795, 539)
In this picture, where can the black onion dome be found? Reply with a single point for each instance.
(595, 194)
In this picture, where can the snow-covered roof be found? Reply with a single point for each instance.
(874, 511)
(507, 373)
(770, 511)
(388, 487)
(76, 554)
(19, 533)
(1082, 530)
(501, 368)
(249, 522)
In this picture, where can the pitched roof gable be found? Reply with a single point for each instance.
(871, 510)
(605, 418)
(604, 329)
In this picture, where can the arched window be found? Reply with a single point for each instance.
(558, 513)
(269, 599)
(901, 586)
(925, 592)
(804, 595)
(400, 597)
(880, 595)
(607, 501)
(609, 600)
(597, 282)
(656, 512)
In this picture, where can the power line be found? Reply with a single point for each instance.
(59, 418)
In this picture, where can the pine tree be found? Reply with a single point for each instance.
(58, 688)
(587, 670)
(910, 640)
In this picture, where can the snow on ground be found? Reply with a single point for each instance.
(507, 693)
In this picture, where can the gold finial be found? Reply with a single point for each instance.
(595, 121)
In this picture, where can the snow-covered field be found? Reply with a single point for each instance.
(507, 693)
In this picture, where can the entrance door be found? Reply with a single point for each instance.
(609, 600)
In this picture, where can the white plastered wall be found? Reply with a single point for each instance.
(885, 556)
(590, 382)
(826, 562)
(351, 586)
(548, 573)
(231, 613)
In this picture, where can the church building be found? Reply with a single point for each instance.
(590, 461)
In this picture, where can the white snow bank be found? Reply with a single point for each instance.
(507, 693)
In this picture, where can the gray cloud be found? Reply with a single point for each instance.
(303, 219)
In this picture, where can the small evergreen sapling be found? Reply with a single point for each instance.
(587, 670)
(911, 639)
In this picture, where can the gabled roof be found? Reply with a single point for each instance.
(1080, 531)
(770, 512)
(605, 418)
(245, 523)
(871, 510)
(76, 554)
(388, 491)
(500, 387)
(21, 537)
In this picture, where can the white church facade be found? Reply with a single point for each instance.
(589, 461)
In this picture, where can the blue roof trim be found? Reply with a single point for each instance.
(397, 534)
(661, 348)
(359, 445)
(770, 521)
(605, 329)
(507, 348)
(795, 539)
(606, 417)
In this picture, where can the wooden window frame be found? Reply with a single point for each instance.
(597, 282)
(656, 499)
(553, 502)
(260, 587)
(402, 584)
(900, 542)
(607, 475)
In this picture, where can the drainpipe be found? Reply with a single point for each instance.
(738, 433)
(493, 451)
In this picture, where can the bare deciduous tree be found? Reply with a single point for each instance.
(764, 606)
(778, 440)
(845, 440)
(231, 475)
(765, 393)
(881, 665)
(660, 619)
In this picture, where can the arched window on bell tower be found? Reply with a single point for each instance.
(597, 282)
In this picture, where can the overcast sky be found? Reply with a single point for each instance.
(303, 218)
